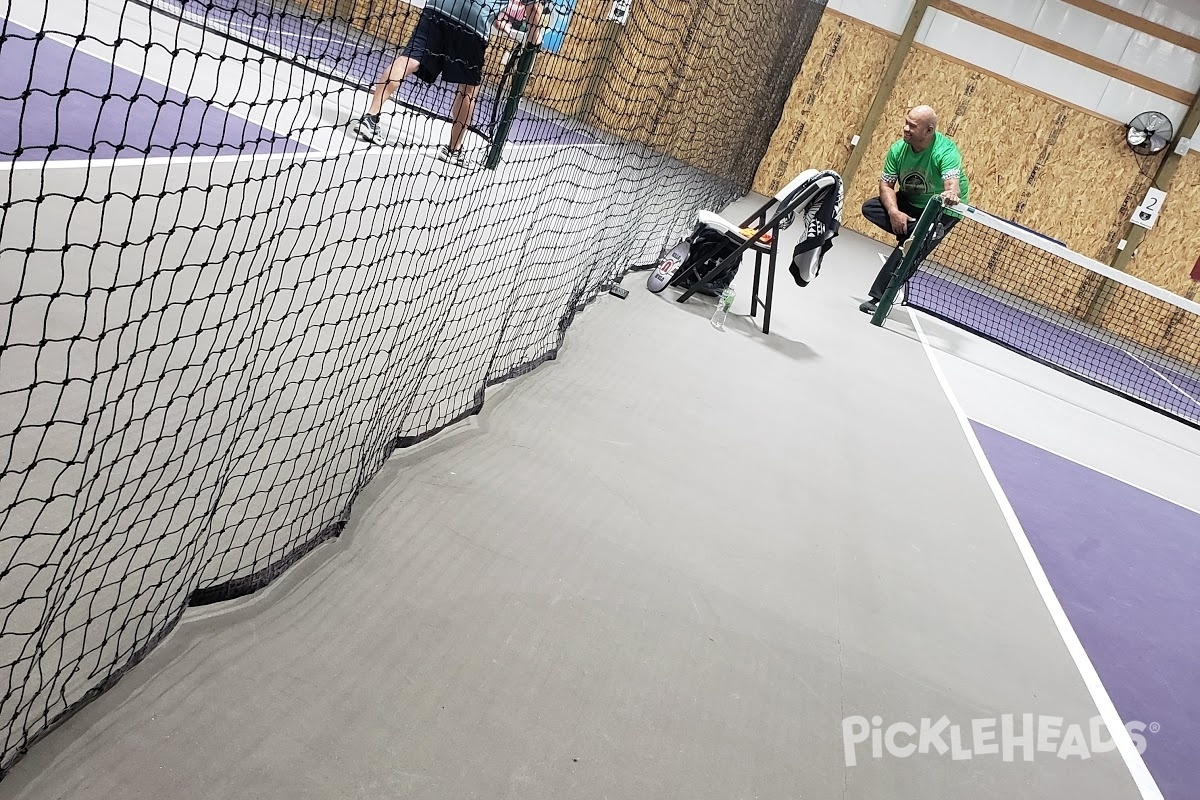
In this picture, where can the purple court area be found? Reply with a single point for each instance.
(1068, 348)
(1125, 566)
(360, 58)
(57, 102)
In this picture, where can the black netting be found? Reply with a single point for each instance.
(1032, 295)
(221, 308)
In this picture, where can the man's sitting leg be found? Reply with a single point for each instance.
(941, 228)
(877, 215)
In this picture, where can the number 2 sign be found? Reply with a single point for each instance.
(1148, 211)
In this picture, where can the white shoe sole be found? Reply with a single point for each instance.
(365, 133)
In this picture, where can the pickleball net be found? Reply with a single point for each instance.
(1033, 295)
(221, 313)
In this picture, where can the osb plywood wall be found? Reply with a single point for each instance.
(1173, 245)
(390, 21)
(1029, 158)
(648, 76)
(838, 81)
(1166, 259)
(1032, 159)
(322, 9)
(644, 96)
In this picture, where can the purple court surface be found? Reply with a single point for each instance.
(1125, 566)
(57, 102)
(1067, 348)
(336, 50)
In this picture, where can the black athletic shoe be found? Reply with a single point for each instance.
(368, 129)
(869, 307)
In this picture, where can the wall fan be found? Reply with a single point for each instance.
(1149, 133)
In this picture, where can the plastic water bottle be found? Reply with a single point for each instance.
(723, 304)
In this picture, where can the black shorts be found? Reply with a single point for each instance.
(447, 48)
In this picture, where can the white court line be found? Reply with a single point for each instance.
(1165, 379)
(1096, 470)
(141, 162)
(1132, 355)
(1108, 712)
(554, 146)
(1111, 345)
(157, 161)
(108, 57)
(1027, 386)
(242, 28)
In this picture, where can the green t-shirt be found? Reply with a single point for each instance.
(920, 176)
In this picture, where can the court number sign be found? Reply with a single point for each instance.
(619, 11)
(1148, 211)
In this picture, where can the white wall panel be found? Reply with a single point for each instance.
(1073, 27)
(972, 43)
(1163, 61)
(926, 24)
(1178, 15)
(1137, 7)
(887, 14)
(1122, 102)
(1058, 77)
(1082, 30)
(1021, 13)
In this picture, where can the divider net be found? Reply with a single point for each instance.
(221, 309)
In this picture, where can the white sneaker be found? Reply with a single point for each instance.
(455, 157)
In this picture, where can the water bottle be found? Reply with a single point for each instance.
(723, 304)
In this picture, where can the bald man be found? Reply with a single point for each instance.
(919, 166)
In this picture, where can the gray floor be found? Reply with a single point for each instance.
(669, 564)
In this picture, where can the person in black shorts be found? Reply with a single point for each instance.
(449, 41)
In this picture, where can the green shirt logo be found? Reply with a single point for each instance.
(920, 176)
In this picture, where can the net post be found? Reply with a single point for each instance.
(512, 104)
(908, 265)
